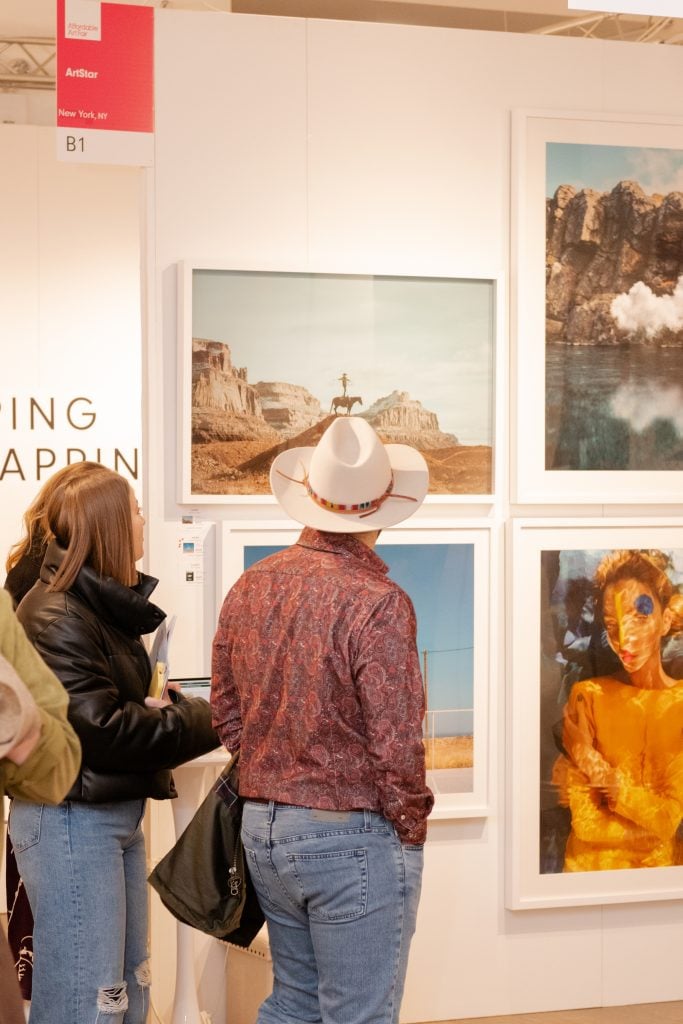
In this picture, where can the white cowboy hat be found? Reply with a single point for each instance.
(350, 482)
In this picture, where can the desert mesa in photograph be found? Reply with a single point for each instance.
(281, 355)
(238, 428)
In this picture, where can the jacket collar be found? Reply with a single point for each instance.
(126, 608)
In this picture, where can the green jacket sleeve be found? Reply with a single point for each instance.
(47, 774)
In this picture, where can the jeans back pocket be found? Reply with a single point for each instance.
(333, 885)
(24, 824)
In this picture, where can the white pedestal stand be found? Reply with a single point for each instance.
(189, 780)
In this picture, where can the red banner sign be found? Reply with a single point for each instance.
(105, 81)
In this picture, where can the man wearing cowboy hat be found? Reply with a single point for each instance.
(316, 680)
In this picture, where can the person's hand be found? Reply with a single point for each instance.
(23, 750)
(163, 702)
(578, 742)
(610, 787)
(19, 716)
(577, 738)
(157, 702)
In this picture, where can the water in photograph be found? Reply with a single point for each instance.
(618, 408)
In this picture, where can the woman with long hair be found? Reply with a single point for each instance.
(26, 556)
(83, 862)
(621, 774)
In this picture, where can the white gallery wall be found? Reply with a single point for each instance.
(70, 330)
(326, 146)
(322, 146)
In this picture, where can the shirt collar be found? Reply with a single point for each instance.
(342, 544)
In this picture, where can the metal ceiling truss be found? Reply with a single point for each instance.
(31, 63)
(624, 28)
(27, 63)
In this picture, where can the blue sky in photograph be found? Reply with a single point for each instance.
(439, 578)
(602, 167)
(430, 337)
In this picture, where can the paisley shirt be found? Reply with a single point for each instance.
(316, 678)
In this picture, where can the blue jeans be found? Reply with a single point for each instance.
(340, 895)
(85, 871)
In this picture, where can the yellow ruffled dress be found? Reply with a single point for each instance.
(638, 732)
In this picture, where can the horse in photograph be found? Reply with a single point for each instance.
(346, 402)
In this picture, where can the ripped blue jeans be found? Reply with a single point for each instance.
(340, 895)
(85, 873)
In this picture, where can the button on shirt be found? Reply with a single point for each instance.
(316, 679)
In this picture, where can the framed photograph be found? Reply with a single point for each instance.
(268, 359)
(598, 308)
(595, 713)
(445, 570)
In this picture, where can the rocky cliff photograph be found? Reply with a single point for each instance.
(614, 308)
(276, 356)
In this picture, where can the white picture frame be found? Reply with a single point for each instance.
(459, 793)
(477, 371)
(534, 707)
(614, 409)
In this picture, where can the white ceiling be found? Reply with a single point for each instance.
(36, 18)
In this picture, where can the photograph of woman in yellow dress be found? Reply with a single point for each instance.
(620, 769)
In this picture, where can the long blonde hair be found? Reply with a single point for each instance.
(88, 512)
(35, 527)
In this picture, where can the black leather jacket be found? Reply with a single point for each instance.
(90, 638)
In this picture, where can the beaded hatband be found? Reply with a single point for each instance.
(361, 509)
